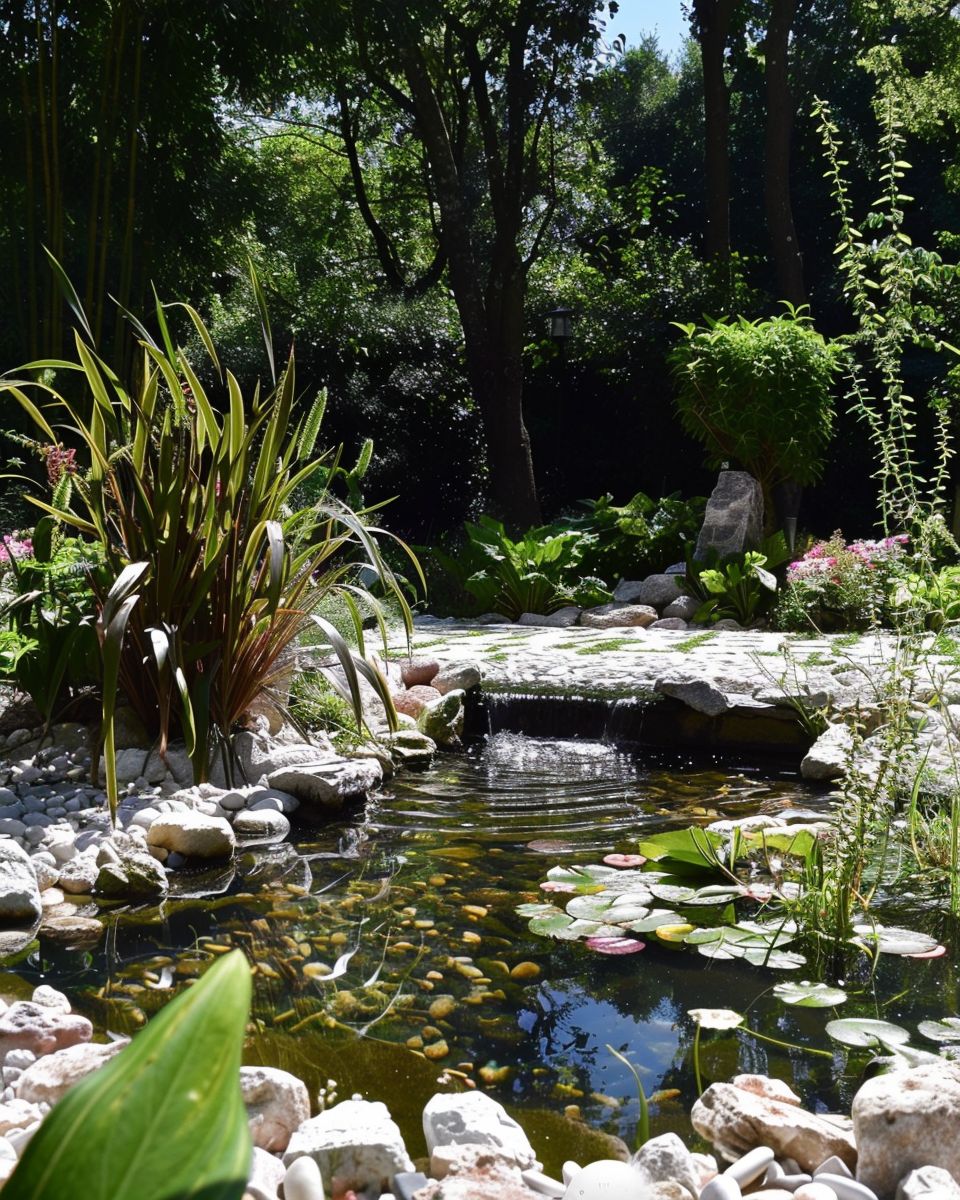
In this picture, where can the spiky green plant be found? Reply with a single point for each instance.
(232, 572)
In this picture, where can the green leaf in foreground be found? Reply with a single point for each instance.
(943, 1031)
(164, 1120)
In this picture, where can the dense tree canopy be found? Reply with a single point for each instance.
(419, 184)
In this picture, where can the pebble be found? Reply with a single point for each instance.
(543, 1184)
(794, 1180)
(303, 1180)
(815, 1191)
(751, 1166)
(724, 1187)
(833, 1166)
(847, 1189)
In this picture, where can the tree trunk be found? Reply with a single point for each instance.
(712, 25)
(492, 321)
(787, 260)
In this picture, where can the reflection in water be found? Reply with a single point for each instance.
(397, 924)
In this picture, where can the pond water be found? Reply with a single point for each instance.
(388, 952)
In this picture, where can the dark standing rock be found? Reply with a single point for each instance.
(733, 521)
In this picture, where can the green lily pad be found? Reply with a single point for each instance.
(694, 847)
(891, 940)
(866, 1032)
(810, 995)
(652, 920)
(776, 960)
(947, 1029)
(590, 908)
(716, 894)
(672, 893)
(551, 924)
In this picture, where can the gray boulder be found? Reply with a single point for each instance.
(442, 720)
(666, 1159)
(563, 618)
(193, 835)
(618, 616)
(475, 1119)
(356, 1143)
(49, 1078)
(658, 591)
(19, 891)
(928, 1183)
(685, 607)
(135, 876)
(907, 1120)
(328, 782)
(410, 747)
(277, 1105)
(827, 758)
(456, 677)
(697, 693)
(733, 521)
(260, 827)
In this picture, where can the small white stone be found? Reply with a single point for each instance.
(303, 1180)
(543, 1184)
(815, 1191)
(722, 1188)
(570, 1170)
(607, 1179)
(847, 1189)
(754, 1164)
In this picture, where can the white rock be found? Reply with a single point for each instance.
(47, 875)
(463, 676)
(327, 783)
(18, 1114)
(303, 1181)
(749, 1168)
(193, 835)
(563, 618)
(618, 616)
(736, 1121)
(928, 1183)
(607, 1179)
(266, 1176)
(814, 1191)
(259, 827)
(543, 1184)
(833, 1166)
(79, 875)
(827, 758)
(50, 998)
(847, 1189)
(356, 1142)
(695, 691)
(905, 1120)
(721, 1188)
(477, 1119)
(277, 1104)
(760, 1085)
(666, 1158)
(19, 891)
(52, 1076)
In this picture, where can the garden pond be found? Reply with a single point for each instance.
(388, 950)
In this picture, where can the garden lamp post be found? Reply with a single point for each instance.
(561, 326)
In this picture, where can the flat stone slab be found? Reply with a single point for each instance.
(736, 670)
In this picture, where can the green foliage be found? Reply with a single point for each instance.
(232, 572)
(635, 539)
(317, 705)
(758, 393)
(840, 586)
(51, 650)
(886, 280)
(165, 1119)
(736, 586)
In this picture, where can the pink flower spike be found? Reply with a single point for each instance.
(624, 860)
(615, 945)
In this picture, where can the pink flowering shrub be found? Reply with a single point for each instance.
(840, 585)
(12, 545)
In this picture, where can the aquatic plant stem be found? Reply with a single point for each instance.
(765, 1038)
(643, 1121)
(696, 1061)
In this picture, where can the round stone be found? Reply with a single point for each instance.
(608, 1179)
(745, 1170)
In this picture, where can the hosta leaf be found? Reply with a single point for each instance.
(810, 995)
(945, 1030)
(867, 1032)
(163, 1119)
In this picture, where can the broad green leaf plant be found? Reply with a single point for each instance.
(164, 1119)
(197, 490)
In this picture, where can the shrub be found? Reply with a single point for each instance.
(836, 585)
(758, 393)
(741, 587)
(192, 509)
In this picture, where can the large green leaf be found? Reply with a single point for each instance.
(164, 1120)
(693, 846)
(867, 1032)
(810, 995)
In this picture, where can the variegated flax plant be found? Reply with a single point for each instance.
(216, 574)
